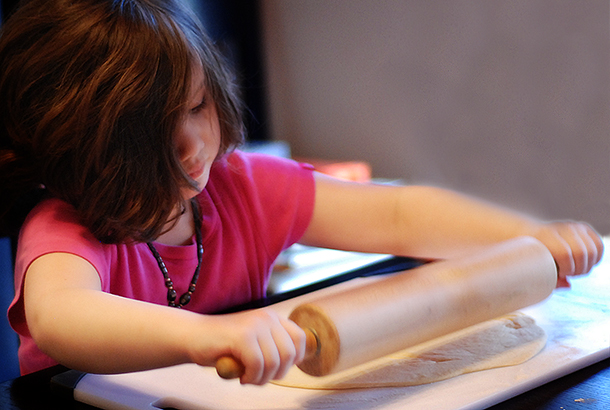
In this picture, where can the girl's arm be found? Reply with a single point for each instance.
(78, 325)
(431, 222)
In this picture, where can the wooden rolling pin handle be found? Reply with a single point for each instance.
(228, 367)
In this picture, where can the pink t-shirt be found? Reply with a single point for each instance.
(254, 206)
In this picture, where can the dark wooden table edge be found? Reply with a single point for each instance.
(588, 388)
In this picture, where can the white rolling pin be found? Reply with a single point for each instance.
(367, 322)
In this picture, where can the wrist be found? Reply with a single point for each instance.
(201, 342)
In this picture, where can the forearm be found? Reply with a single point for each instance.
(428, 222)
(78, 325)
(446, 224)
(437, 223)
(414, 221)
(97, 332)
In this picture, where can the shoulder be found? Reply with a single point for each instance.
(50, 216)
(52, 208)
(53, 226)
(274, 195)
(55, 218)
(261, 168)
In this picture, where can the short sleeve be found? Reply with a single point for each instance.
(282, 199)
(52, 226)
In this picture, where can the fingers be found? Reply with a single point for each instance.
(576, 248)
(289, 342)
(583, 247)
(296, 343)
(270, 348)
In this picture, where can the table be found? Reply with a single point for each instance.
(587, 389)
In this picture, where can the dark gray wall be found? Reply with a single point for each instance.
(507, 100)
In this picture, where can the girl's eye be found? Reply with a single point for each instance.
(199, 107)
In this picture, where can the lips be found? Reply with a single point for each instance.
(196, 172)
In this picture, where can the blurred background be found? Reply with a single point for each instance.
(508, 101)
(505, 100)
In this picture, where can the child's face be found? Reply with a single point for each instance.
(198, 134)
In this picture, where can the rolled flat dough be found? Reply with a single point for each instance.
(506, 341)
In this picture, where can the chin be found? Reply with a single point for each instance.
(188, 193)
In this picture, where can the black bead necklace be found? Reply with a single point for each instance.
(171, 292)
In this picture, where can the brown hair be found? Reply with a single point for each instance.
(92, 92)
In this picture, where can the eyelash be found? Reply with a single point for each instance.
(200, 107)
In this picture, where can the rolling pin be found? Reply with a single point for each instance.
(367, 322)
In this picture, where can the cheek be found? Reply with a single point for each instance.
(215, 132)
(180, 147)
(184, 139)
(199, 133)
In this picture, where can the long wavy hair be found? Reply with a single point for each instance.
(91, 94)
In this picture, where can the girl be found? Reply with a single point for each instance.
(120, 120)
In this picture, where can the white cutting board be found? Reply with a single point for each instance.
(577, 323)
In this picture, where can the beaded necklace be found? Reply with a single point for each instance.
(171, 292)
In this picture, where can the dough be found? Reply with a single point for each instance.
(506, 341)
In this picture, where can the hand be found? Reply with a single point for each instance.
(266, 344)
(576, 248)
